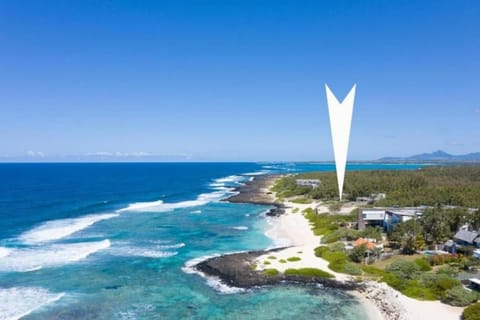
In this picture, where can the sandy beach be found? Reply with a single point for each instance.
(380, 301)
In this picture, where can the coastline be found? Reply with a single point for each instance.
(292, 235)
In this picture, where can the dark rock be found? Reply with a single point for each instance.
(236, 270)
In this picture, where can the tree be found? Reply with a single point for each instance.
(435, 223)
(408, 236)
(357, 254)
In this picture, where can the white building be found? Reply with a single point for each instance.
(313, 183)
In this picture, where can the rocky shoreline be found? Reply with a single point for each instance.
(257, 192)
(236, 270)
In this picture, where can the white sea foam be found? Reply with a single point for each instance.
(211, 281)
(160, 206)
(16, 303)
(221, 187)
(196, 211)
(242, 228)
(58, 229)
(257, 173)
(4, 252)
(172, 246)
(142, 252)
(34, 258)
(126, 249)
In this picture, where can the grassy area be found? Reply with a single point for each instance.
(382, 264)
(271, 272)
(302, 200)
(308, 272)
(293, 259)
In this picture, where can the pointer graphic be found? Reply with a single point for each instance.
(340, 123)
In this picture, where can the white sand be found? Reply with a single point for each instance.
(293, 229)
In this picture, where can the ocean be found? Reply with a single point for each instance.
(116, 241)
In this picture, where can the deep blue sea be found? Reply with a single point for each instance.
(115, 241)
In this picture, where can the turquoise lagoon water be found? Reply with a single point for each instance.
(115, 241)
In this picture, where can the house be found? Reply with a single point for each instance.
(474, 283)
(313, 183)
(385, 218)
(374, 217)
(397, 215)
(467, 238)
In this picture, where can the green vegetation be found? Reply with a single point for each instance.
(266, 262)
(308, 272)
(472, 312)
(302, 200)
(292, 259)
(408, 278)
(449, 185)
(449, 191)
(271, 257)
(282, 261)
(337, 259)
(423, 264)
(271, 272)
(295, 210)
(460, 297)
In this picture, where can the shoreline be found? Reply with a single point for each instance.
(291, 233)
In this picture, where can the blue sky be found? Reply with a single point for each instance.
(235, 80)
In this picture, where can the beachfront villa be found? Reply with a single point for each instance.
(385, 218)
(467, 238)
(312, 183)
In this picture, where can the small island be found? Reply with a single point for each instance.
(405, 242)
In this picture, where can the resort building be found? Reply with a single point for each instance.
(467, 238)
(313, 183)
(385, 218)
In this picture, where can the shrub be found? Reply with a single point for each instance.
(438, 283)
(337, 246)
(394, 281)
(337, 259)
(266, 262)
(472, 312)
(353, 269)
(282, 261)
(415, 290)
(447, 270)
(371, 270)
(302, 200)
(423, 264)
(357, 254)
(403, 269)
(292, 259)
(308, 272)
(460, 297)
(271, 272)
(272, 257)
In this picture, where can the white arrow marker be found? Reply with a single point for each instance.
(340, 123)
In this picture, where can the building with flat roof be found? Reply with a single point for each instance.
(313, 183)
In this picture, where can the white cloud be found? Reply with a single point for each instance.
(38, 154)
(136, 154)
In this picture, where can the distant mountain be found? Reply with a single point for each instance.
(437, 156)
